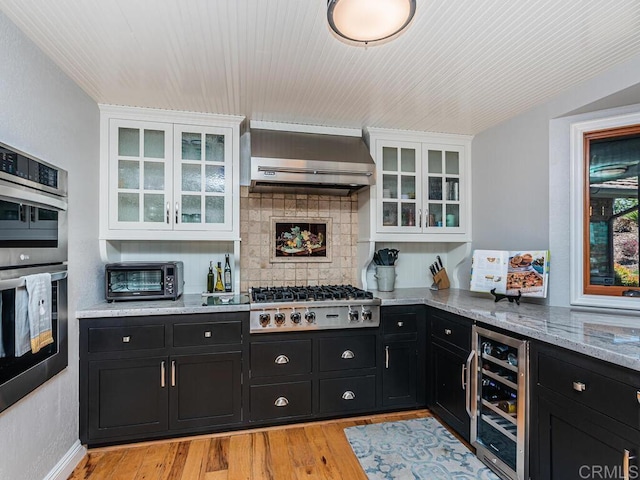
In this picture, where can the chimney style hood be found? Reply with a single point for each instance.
(311, 163)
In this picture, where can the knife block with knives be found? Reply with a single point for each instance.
(440, 277)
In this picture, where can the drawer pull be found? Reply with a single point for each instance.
(281, 360)
(348, 395)
(207, 334)
(126, 339)
(401, 324)
(163, 374)
(447, 331)
(347, 354)
(281, 402)
(579, 386)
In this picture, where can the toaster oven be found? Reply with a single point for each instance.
(144, 280)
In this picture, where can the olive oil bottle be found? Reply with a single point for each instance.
(210, 278)
(227, 274)
(219, 285)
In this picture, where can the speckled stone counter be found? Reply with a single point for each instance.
(186, 304)
(613, 337)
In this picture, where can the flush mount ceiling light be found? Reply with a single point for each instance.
(368, 22)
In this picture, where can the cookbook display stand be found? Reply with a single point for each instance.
(500, 296)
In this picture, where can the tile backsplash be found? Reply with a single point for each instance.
(256, 212)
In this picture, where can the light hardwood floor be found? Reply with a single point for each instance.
(307, 451)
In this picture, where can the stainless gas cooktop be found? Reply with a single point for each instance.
(281, 309)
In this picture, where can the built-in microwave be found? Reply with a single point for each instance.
(144, 280)
(33, 211)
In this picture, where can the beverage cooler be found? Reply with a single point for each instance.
(498, 402)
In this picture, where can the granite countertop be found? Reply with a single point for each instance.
(188, 303)
(613, 337)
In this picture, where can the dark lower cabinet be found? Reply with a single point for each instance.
(449, 348)
(400, 374)
(127, 398)
(152, 377)
(448, 398)
(205, 390)
(402, 352)
(572, 446)
(585, 417)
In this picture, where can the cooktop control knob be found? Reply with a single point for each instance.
(310, 317)
(353, 315)
(366, 315)
(296, 317)
(279, 318)
(265, 319)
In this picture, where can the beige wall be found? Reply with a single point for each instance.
(256, 211)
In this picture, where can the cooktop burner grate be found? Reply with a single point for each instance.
(322, 292)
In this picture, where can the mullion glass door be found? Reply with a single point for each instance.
(141, 180)
(204, 175)
(400, 210)
(443, 182)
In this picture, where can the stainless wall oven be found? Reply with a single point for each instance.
(33, 240)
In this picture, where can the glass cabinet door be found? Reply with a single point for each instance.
(140, 175)
(400, 170)
(203, 177)
(442, 183)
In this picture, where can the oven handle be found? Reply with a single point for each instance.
(15, 194)
(21, 282)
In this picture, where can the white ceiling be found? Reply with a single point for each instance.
(461, 67)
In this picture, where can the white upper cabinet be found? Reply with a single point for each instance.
(169, 175)
(422, 190)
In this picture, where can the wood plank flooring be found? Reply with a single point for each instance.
(309, 451)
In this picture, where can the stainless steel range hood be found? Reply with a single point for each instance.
(310, 163)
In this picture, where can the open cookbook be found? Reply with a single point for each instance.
(524, 271)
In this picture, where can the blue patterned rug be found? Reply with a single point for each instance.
(414, 449)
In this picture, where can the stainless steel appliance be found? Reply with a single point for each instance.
(33, 210)
(497, 402)
(144, 280)
(309, 163)
(281, 309)
(33, 240)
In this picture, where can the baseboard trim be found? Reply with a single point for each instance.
(67, 463)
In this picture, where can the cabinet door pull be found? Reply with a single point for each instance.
(467, 397)
(447, 331)
(386, 356)
(163, 374)
(400, 324)
(625, 464)
(579, 386)
(207, 334)
(126, 339)
(464, 376)
(281, 402)
(348, 395)
(168, 212)
(638, 396)
(177, 211)
(347, 354)
(173, 373)
(420, 218)
(281, 360)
